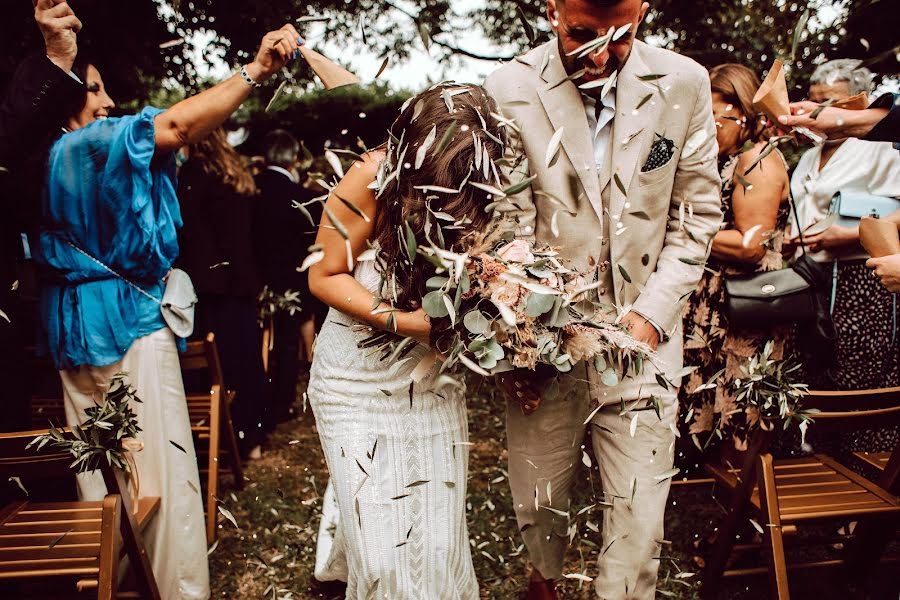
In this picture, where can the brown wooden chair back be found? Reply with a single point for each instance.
(209, 410)
(856, 409)
(16, 460)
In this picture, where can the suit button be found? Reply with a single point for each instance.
(46, 85)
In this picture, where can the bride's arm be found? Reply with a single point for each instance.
(330, 280)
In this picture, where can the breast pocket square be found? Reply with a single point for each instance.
(661, 152)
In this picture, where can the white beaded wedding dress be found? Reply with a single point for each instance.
(398, 458)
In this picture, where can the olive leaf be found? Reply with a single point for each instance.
(335, 163)
(799, 28)
(422, 152)
(383, 66)
(553, 147)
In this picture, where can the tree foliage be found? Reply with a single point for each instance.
(125, 36)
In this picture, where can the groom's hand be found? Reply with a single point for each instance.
(641, 329)
(522, 386)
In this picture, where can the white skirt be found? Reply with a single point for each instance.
(176, 538)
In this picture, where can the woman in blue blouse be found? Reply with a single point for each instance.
(110, 205)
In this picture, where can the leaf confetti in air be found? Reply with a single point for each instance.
(553, 147)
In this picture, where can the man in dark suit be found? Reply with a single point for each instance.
(283, 235)
(37, 97)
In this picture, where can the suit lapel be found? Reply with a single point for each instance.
(633, 128)
(565, 109)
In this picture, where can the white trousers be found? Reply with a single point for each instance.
(176, 539)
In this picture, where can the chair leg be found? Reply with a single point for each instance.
(110, 541)
(231, 439)
(772, 535)
(132, 538)
(734, 520)
(212, 481)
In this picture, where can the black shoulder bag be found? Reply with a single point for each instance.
(795, 295)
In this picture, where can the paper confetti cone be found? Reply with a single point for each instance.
(859, 101)
(772, 96)
(331, 74)
(879, 237)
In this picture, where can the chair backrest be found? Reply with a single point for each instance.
(856, 409)
(201, 359)
(29, 463)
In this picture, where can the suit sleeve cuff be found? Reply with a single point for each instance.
(659, 330)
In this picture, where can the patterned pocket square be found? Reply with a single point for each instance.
(660, 153)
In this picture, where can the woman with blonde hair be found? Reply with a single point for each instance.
(755, 203)
(218, 194)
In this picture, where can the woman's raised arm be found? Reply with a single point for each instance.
(194, 118)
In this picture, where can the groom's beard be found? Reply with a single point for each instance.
(573, 65)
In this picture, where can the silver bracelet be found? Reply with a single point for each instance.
(247, 78)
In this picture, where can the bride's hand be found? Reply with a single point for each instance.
(415, 324)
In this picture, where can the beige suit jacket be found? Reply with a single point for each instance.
(660, 251)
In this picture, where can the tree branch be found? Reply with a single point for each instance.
(469, 53)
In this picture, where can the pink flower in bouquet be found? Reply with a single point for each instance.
(517, 251)
(506, 293)
(491, 268)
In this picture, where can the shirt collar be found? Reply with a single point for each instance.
(607, 112)
(284, 172)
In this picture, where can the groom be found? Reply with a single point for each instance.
(632, 196)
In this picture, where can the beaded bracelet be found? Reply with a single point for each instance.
(248, 79)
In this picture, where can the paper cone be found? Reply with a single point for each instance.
(772, 96)
(332, 75)
(858, 102)
(879, 237)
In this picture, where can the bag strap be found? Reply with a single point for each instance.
(797, 221)
(114, 272)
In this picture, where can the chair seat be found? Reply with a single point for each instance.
(815, 488)
(879, 460)
(57, 539)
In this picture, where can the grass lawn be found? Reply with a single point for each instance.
(272, 552)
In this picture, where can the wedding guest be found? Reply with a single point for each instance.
(283, 235)
(864, 313)
(396, 450)
(32, 109)
(217, 196)
(755, 206)
(632, 162)
(107, 240)
(878, 123)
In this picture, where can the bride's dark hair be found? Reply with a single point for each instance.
(478, 139)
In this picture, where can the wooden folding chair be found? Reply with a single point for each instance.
(210, 415)
(47, 405)
(876, 460)
(80, 541)
(782, 494)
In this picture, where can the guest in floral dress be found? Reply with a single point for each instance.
(755, 206)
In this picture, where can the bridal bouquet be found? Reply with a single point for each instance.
(505, 304)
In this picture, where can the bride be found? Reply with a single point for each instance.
(397, 450)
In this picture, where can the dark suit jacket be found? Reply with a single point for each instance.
(216, 241)
(31, 114)
(282, 232)
(283, 235)
(36, 98)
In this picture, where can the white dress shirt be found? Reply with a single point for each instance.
(858, 166)
(601, 127)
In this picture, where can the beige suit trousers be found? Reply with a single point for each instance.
(545, 457)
